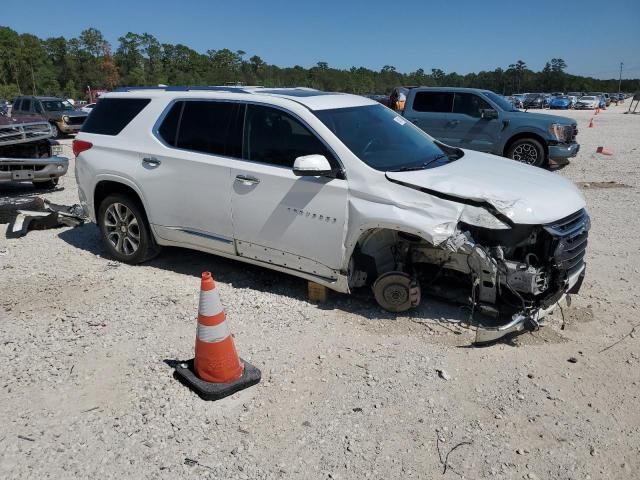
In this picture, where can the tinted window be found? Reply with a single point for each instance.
(169, 127)
(469, 104)
(273, 136)
(26, 104)
(16, 105)
(433, 102)
(209, 127)
(111, 115)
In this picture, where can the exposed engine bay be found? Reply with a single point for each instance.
(513, 277)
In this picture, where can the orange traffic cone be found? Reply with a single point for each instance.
(591, 123)
(216, 371)
(603, 151)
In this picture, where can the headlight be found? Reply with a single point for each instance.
(479, 217)
(65, 118)
(557, 131)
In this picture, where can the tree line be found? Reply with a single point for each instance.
(66, 67)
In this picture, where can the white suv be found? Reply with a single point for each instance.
(333, 188)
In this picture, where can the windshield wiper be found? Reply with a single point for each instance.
(420, 167)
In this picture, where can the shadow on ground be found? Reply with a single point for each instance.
(243, 275)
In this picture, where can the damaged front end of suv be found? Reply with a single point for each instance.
(515, 276)
(512, 277)
(511, 247)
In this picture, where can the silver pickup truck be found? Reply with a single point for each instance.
(28, 153)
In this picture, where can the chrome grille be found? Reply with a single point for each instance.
(570, 237)
(26, 132)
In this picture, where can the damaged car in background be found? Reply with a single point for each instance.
(333, 188)
(27, 151)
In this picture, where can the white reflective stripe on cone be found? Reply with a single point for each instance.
(210, 304)
(217, 333)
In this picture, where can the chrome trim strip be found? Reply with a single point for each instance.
(202, 234)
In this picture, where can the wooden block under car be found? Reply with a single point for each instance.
(317, 293)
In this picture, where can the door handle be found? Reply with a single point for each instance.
(151, 162)
(247, 180)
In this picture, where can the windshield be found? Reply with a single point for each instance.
(502, 102)
(382, 139)
(56, 105)
(588, 98)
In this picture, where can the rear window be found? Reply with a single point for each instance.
(111, 115)
(441, 102)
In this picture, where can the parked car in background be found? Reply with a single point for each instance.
(27, 153)
(587, 102)
(482, 120)
(56, 110)
(561, 103)
(396, 210)
(88, 107)
(515, 101)
(533, 100)
(576, 94)
(621, 97)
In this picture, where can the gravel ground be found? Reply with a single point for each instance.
(348, 391)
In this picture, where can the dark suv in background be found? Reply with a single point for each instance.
(482, 120)
(64, 118)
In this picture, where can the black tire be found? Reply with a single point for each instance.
(9, 206)
(47, 184)
(57, 132)
(527, 150)
(120, 233)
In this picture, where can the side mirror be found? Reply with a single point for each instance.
(488, 114)
(312, 166)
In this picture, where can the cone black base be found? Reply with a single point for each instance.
(185, 372)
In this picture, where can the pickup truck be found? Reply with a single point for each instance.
(481, 120)
(27, 152)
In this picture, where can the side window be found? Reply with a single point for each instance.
(209, 127)
(169, 128)
(275, 137)
(26, 105)
(469, 104)
(16, 105)
(439, 102)
(38, 106)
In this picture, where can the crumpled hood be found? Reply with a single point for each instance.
(526, 195)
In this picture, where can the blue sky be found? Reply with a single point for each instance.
(458, 35)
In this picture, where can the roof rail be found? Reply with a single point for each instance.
(185, 88)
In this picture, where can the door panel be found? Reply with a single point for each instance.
(188, 195)
(467, 128)
(185, 174)
(297, 222)
(431, 111)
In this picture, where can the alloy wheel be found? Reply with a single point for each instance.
(122, 229)
(526, 153)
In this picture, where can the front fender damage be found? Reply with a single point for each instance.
(510, 278)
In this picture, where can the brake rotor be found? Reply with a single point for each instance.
(396, 292)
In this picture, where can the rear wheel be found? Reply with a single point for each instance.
(125, 231)
(527, 150)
